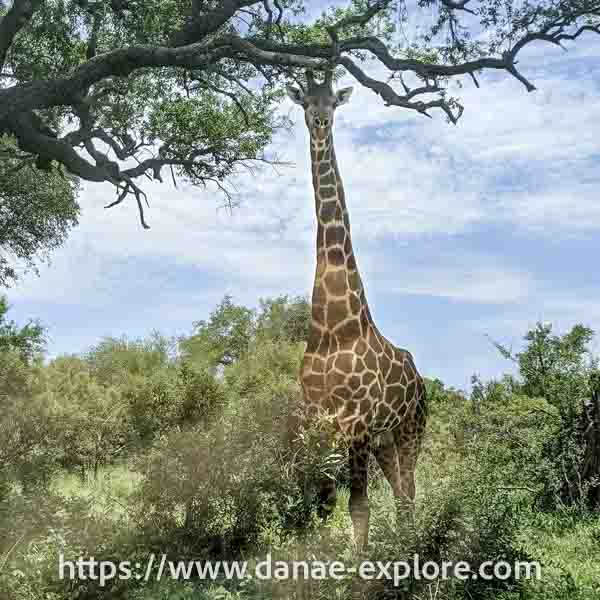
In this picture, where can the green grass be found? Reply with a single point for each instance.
(566, 544)
(568, 548)
(108, 492)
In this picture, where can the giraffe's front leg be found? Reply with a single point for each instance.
(359, 500)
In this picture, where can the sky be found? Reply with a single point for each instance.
(462, 233)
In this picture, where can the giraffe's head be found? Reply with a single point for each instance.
(319, 102)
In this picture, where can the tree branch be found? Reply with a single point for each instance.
(15, 19)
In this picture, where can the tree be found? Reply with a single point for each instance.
(223, 339)
(37, 210)
(191, 86)
(284, 318)
(563, 370)
(27, 341)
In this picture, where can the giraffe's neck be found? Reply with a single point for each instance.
(338, 291)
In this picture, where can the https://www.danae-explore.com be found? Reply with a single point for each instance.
(158, 567)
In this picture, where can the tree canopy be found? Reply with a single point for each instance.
(118, 90)
(37, 210)
(28, 340)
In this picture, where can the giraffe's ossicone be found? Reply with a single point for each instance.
(349, 368)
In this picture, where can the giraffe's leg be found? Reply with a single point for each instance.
(386, 454)
(359, 500)
(407, 450)
(327, 497)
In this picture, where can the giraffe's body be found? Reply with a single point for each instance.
(350, 369)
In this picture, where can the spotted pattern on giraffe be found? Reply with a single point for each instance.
(349, 368)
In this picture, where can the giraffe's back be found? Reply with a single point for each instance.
(368, 383)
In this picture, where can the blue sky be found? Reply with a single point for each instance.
(461, 232)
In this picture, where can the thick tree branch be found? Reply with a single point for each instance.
(391, 98)
(457, 5)
(202, 24)
(15, 19)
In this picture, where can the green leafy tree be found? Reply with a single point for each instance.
(92, 419)
(560, 369)
(223, 338)
(284, 318)
(37, 210)
(190, 87)
(28, 340)
(114, 360)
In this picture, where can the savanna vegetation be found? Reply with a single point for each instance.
(192, 447)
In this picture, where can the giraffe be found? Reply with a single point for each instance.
(349, 368)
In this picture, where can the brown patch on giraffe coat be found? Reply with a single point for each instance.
(313, 380)
(343, 362)
(327, 210)
(371, 360)
(336, 284)
(335, 257)
(348, 331)
(368, 377)
(334, 235)
(336, 313)
(327, 191)
(327, 180)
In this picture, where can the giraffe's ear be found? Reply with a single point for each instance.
(342, 96)
(296, 94)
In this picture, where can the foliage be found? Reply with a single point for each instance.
(560, 368)
(217, 464)
(232, 330)
(284, 318)
(28, 341)
(191, 87)
(92, 418)
(112, 361)
(37, 211)
(222, 339)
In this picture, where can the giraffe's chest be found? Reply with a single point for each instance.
(341, 381)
